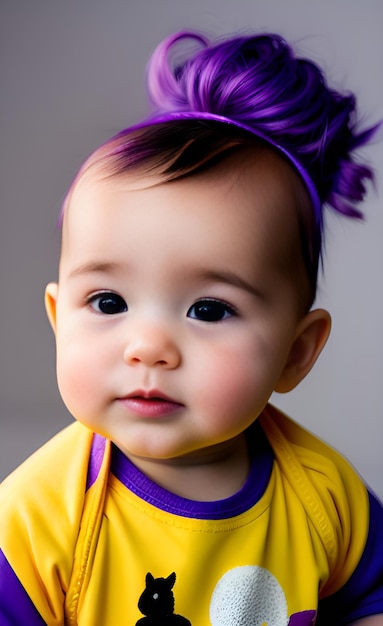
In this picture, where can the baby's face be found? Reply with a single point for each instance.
(176, 308)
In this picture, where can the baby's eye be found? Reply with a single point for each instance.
(209, 310)
(108, 303)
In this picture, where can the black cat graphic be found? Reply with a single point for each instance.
(157, 603)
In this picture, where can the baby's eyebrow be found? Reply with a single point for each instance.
(95, 267)
(229, 278)
(217, 276)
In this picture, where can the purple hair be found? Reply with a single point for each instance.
(248, 89)
(258, 82)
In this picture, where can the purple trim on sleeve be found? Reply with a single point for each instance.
(362, 595)
(257, 481)
(16, 607)
(95, 459)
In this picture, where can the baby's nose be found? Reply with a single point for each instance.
(152, 347)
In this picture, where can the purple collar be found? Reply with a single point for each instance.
(260, 470)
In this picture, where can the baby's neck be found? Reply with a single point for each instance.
(203, 478)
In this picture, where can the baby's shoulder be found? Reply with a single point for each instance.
(325, 485)
(55, 473)
(293, 445)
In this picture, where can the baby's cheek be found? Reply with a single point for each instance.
(77, 380)
(231, 386)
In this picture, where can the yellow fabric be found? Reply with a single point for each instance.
(41, 504)
(92, 552)
(335, 499)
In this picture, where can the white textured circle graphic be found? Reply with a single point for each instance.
(248, 596)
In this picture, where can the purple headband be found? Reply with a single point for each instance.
(173, 116)
(258, 84)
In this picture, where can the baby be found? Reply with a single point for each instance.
(190, 252)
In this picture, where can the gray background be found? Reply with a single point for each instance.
(71, 74)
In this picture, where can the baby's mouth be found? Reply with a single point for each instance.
(152, 403)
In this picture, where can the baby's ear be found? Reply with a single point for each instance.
(312, 333)
(51, 302)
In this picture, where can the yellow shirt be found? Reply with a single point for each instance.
(88, 542)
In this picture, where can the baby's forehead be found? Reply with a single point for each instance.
(255, 179)
(246, 204)
(258, 167)
(252, 176)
